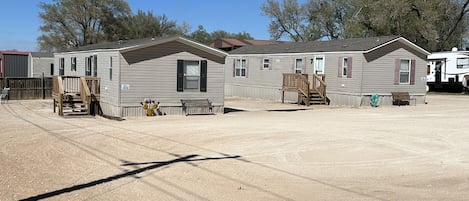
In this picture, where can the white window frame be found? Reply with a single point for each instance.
(408, 71)
(299, 69)
(266, 64)
(316, 67)
(240, 67)
(195, 75)
(464, 65)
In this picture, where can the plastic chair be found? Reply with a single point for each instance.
(4, 95)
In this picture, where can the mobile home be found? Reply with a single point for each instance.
(347, 71)
(165, 69)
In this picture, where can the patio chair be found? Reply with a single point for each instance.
(4, 95)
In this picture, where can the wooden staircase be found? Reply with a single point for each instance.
(309, 93)
(75, 95)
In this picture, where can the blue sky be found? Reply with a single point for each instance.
(19, 27)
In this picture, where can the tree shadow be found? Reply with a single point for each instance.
(133, 173)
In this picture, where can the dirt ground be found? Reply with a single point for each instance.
(257, 151)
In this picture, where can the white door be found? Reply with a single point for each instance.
(318, 65)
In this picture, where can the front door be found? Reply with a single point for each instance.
(318, 64)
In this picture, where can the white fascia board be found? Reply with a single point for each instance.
(201, 46)
(412, 45)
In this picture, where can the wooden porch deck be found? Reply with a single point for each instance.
(77, 95)
(309, 93)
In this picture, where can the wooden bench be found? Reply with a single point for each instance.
(402, 98)
(196, 106)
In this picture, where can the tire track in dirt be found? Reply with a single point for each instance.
(163, 151)
(239, 159)
(84, 148)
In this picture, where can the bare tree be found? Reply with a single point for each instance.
(73, 23)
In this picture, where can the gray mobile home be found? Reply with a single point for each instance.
(40, 63)
(163, 69)
(350, 70)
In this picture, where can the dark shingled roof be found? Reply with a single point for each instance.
(42, 54)
(353, 44)
(117, 44)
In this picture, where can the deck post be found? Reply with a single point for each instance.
(283, 96)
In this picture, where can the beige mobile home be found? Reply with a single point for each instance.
(40, 64)
(163, 69)
(339, 72)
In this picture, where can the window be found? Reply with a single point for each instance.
(191, 74)
(110, 68)
(88, 66)
(462, 63)
(73, 64)
(95, 65)
(319, 65)
(344, 66)
(61, 66)
(266, 64)
(298, 65)
(404, 72)
(51, 69)
(240, 67)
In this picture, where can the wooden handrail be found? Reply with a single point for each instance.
(85, 94)
(57, 85)
(296, 82)
(319, 85)
(58, 93)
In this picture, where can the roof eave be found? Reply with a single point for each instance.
(179, 39)
(410, 44)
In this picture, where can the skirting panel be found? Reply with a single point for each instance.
(131, 111)
(259, 92)
(344, 99)
(386, 100)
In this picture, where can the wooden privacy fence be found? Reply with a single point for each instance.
(24, 88)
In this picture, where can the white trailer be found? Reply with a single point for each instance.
(446, 70)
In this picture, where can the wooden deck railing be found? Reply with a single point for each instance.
(85, 94)
(58, 93)
(299, 83)
(87, 87)
(319, 85)
(296, 82)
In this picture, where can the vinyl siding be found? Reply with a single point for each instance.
(156, 79)
(343, 85)
(263, 83)
(40, 65)
(378, 76)
(109, 89)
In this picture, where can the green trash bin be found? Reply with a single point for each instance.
(374, 98)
